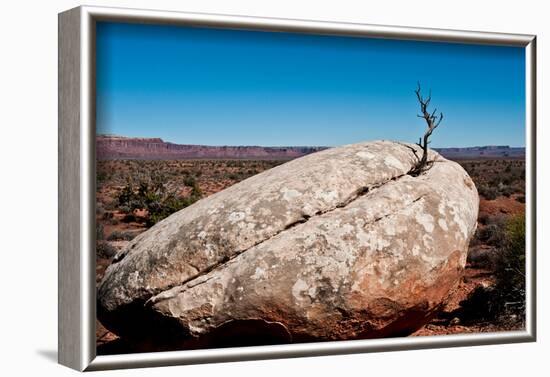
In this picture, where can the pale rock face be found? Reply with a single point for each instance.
(339, 244)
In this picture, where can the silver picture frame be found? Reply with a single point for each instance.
(77, 308)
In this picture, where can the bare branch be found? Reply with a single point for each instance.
(439, 121)
(432, 121)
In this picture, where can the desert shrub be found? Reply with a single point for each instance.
(492, 234)
(110, 218)
(506, 191)
(99, 231)
(505, 301)
(125, 197)
(488, 192)
(105, 249)
(510, 269)
(480, 257)
(495, 181)
(153, 196)
(102, 176)
(483, 218)
(111, 205)
(190, 181)
(121, 236)
(159, 210)
(495, 178)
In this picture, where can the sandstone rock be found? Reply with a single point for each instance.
(339, 244)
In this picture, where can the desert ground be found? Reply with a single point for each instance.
(132, 195)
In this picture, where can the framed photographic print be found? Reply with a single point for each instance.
(237, 188)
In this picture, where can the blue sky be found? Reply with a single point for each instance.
(228, 87)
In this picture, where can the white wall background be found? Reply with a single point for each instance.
(28, 185)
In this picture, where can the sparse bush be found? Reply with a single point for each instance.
(99, 210)
(105, 250)
(111, 205)
(121, 236)
(110, 218)
(483, 218)
(488, 192)
(99, 231)
(125, 197)
(495, 178)
(510, 269)
(102, 177)
(492, 233)
(189, 181)
(153, 196)
(505, 190)
(505, 301)
(481, 257)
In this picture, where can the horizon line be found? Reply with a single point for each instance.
(287, 146)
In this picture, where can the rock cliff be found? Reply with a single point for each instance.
(118, 147)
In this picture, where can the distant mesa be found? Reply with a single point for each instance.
(489, 151)
(110, 147)
(118, 147)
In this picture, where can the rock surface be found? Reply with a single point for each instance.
(339, 244)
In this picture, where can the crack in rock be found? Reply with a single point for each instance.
(362, 191)
(188, 284)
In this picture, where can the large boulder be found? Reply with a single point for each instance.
(339, 244)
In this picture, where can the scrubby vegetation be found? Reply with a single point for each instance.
(510, 270)
(505, 300)
(105, 249)
(133, 195)
(211, 175)
(121, 236)
(154, 197)
(496, 178)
